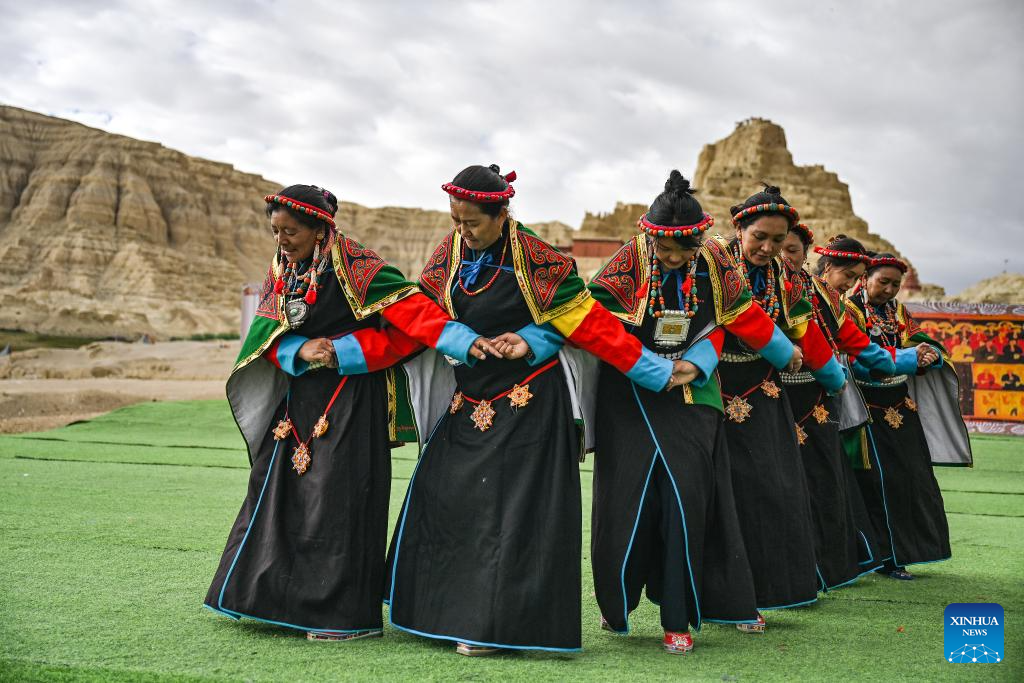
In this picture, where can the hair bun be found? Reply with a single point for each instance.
(678, 185)
(495, 168)
(771, 189)
(735, 209)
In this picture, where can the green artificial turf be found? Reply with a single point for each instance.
(111, 531)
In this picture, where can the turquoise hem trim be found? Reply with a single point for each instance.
(632, 537)
(795, 604)
(248, 529)
(730, 621)
(881, 486)
(351, 360)
(679, 502)
(867, 545)
(860, 576)
(778, 350)
(394, 571)
(650, 370)
(222, 613)
(456, 639)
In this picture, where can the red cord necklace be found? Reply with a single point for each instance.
(497, 271)
(302, 455)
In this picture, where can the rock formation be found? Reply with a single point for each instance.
(1005, 288)
(104, 235)
(732, 169)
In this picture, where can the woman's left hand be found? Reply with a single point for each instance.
(926, 355)
(511, 346)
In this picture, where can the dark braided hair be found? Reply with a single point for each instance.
(307, 194)
(841, 243)
(880, 255)
(484, 179)
(769, 195)
(677, 206)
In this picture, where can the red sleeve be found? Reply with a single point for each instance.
(850, 339)
(717, 339)
(271, 353)
(817, 351)
(419, 317)
(386, 347)
(591, 327)
(753, 327)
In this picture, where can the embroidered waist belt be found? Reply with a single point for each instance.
(673, 355)
(883, 382)
(518, 396)
(804, 377)
(739, 357)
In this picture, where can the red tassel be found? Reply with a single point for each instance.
(902, 327)
(310, 296)
(788, 286)
(510, 176)
(642, 292)
(279, 286)
(688, 285)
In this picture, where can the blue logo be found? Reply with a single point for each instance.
(974, 633)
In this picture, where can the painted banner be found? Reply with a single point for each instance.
(986, 344)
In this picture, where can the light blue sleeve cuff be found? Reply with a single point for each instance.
(831, 376)
(940, 361)
(456, 340)
(705, 357)
(544, 341)
(651, 371)
(906, 361)
(778, 350)
(351, 360)
(288, 354)
(874, 357)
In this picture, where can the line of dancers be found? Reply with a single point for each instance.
(760, 434)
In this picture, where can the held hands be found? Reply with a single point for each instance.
(796, 360)
(511, 346)
(926, 355)
(482, 346)
(319, 350)
(683, 372)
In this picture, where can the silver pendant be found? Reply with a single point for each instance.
(296, 311)
(875, 332)
(672, 328)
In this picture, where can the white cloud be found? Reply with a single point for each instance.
(915, 104)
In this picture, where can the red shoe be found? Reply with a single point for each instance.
(759, 627)
(677, 643)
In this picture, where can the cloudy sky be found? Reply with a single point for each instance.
(917, 105)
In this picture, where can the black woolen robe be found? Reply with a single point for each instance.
(308, 551)
(487, 548)
(664, 516)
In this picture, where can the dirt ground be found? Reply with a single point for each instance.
(47, 388)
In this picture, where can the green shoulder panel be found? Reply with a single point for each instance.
(547, 277)
(621, 285)
(369, 282)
